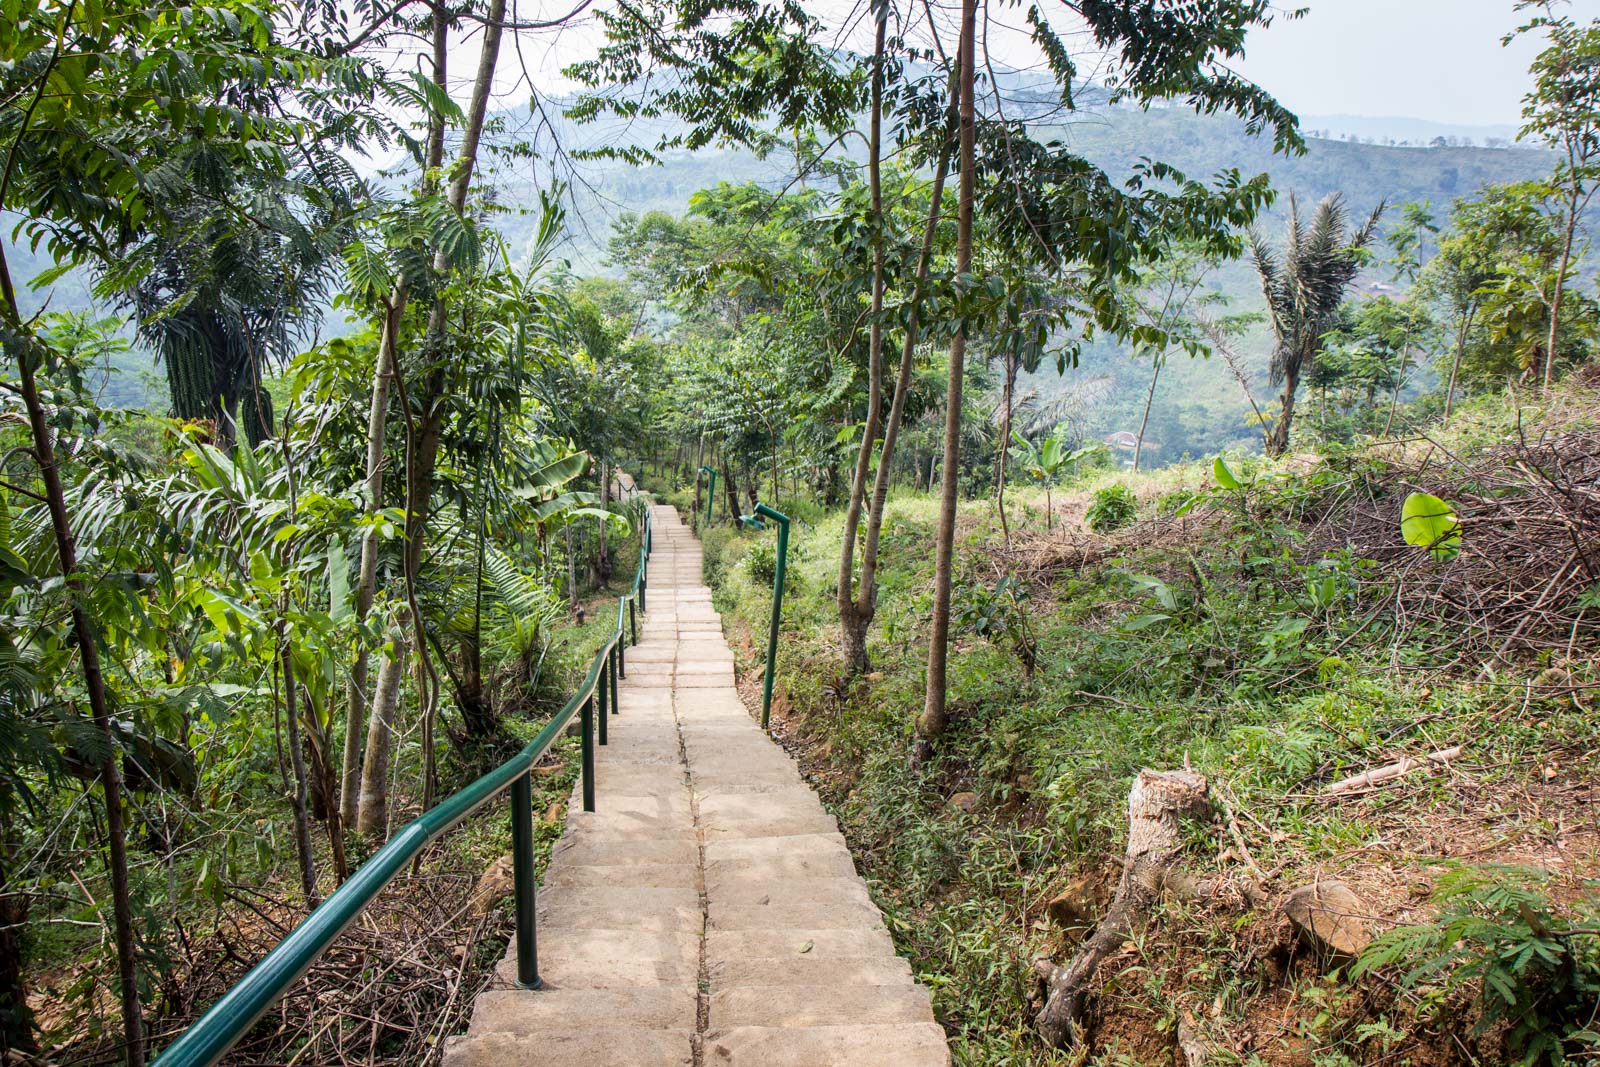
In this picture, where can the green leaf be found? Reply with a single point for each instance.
(338, 581)
(1428, 522)
(1224, 475)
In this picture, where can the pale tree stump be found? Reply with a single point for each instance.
(1156, 804)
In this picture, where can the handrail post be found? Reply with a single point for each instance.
(586, 729)
(526, 882)
(616, 662)
(601, 696)
(777, 608)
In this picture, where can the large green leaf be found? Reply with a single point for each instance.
(338, 581)
(1224, 475)
(1428, 522)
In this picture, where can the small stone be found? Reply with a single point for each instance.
(495, 883)
(1328, 917)
(1080, 903)
(967, 802)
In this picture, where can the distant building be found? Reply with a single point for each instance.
(1127, 441)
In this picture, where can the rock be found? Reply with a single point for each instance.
(1080, 903)
(494, 884)
(1328, 916)
(967, 802)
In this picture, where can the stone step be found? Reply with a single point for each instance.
(894, 1045)
(791, 1006)
(595, 1046)
(529, 1011)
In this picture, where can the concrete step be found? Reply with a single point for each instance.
(641, 875)
(791, 1006)
(894, 1045)
(808, 970)
(591, 851)
(590, 958)
(781, 914)
(818, 944)
(799, 846)
(789, 890)
(529, 1011)
(596, 1046)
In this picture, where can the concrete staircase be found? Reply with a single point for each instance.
(708, 914)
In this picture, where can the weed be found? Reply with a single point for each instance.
(1114, 507)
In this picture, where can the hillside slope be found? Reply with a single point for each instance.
(1278, 640)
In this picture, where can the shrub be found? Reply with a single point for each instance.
(723, 548)
(761, 563)
(1114, 507)
(1497, 939)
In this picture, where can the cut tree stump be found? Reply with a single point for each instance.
(1158, 800)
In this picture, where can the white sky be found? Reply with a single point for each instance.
(1430, 59)
(1439, 60)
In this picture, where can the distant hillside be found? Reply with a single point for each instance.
(1199, 406)
(1199, 403)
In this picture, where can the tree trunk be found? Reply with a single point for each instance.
(22, 345)
(731, 490)
(1455, 364)
(1156, 804)
(699, 461)
(1149, 399)
(374, 805)
(16, 1018)
(932, 721)
(1278, 440)
(297, 761)
(1561, 285)
(1007, 392)
(852, 627)
(1399, 381)
(377, 430)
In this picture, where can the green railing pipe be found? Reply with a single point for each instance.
(711, 494)
(229, 1019)
(782, 520)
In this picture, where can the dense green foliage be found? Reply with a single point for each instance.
(322, 576)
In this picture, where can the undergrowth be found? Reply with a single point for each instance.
(1210, 634)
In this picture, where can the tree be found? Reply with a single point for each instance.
(1304, 289)
(931, 722)
(1563, 111)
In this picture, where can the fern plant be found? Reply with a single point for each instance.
(1496, 939)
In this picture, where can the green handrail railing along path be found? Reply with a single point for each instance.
(230, 1018)
(778, 573)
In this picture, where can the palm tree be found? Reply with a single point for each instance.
(1304, 287)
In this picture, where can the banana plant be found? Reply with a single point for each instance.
(1045, 463)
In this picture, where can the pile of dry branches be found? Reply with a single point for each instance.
(1525, 580)
(389, 991)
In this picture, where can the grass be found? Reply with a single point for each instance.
(1261, 683)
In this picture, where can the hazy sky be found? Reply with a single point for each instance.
(1429, 59)
(1440, 60)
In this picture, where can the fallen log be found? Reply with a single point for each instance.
(1391, 771)
(1158, 800)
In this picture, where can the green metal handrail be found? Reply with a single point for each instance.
(763, 511)
(230, 1018)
